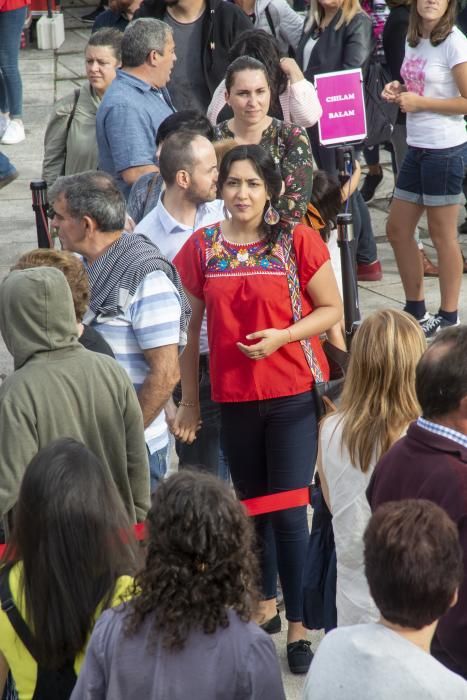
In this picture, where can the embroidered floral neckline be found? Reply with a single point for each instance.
(225, 255)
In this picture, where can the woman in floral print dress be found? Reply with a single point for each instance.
(249, 95)
(236, 271)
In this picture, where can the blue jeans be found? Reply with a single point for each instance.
(271, 447)
(6, 167)
(11, 87)
(157, 466)
(433, 177)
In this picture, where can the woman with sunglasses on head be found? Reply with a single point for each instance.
(248, 92)
(257, 315)
(434, 97)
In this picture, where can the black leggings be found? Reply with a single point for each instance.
(271, 446)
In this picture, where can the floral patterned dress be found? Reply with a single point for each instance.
(289, 146)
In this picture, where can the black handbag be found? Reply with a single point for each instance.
(326, 393)
(380, 115)
(319, 571)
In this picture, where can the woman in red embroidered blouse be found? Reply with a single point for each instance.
(236, 270)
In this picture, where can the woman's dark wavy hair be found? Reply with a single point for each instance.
(267, 170)
(327, 198)
(67, 533)
(199, 563)
(439, 33)
(258, 44)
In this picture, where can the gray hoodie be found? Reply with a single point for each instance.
(59, 389)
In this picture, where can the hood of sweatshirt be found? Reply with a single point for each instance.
(36, 313)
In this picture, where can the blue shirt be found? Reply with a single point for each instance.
(126, 125)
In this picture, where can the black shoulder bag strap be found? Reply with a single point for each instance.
(72, 113)
(12, 612)
(68, 125)
(270, 22)
(291, 51)
(150, 188)
(51, 684)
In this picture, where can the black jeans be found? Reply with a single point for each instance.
(271, 447)
(325, 159)
(205, 451)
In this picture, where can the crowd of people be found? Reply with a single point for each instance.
(182, 323)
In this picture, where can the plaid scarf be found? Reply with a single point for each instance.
(116, 275)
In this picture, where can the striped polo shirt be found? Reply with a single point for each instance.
(150, 319)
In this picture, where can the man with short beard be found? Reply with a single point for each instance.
(188, 167)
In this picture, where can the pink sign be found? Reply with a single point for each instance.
(341, 97)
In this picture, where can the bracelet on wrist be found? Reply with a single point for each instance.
(187, 404)
(290, 335)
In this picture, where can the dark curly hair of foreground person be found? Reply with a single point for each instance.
(199, 563)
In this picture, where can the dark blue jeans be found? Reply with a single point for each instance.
(6, 167)
(271, 447)
(11, 87)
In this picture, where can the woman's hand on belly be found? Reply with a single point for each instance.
(271, 339)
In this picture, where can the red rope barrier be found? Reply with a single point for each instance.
(254, 506)
(278, 501)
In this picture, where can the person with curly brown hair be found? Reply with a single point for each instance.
(187, 633)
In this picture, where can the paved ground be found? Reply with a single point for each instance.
(48, 75)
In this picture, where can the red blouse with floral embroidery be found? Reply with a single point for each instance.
(245, 290)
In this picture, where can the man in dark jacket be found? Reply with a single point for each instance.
(431, 462)
(204, 31)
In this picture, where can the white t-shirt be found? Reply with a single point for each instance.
(351, 512)
(371, 662)
(427, 71)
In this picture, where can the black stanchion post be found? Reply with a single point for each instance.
(40, 206)
(345, 241)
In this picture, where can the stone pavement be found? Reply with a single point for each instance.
(47, 76)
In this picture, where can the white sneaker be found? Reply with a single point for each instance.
(4, 121)
(14, 133)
